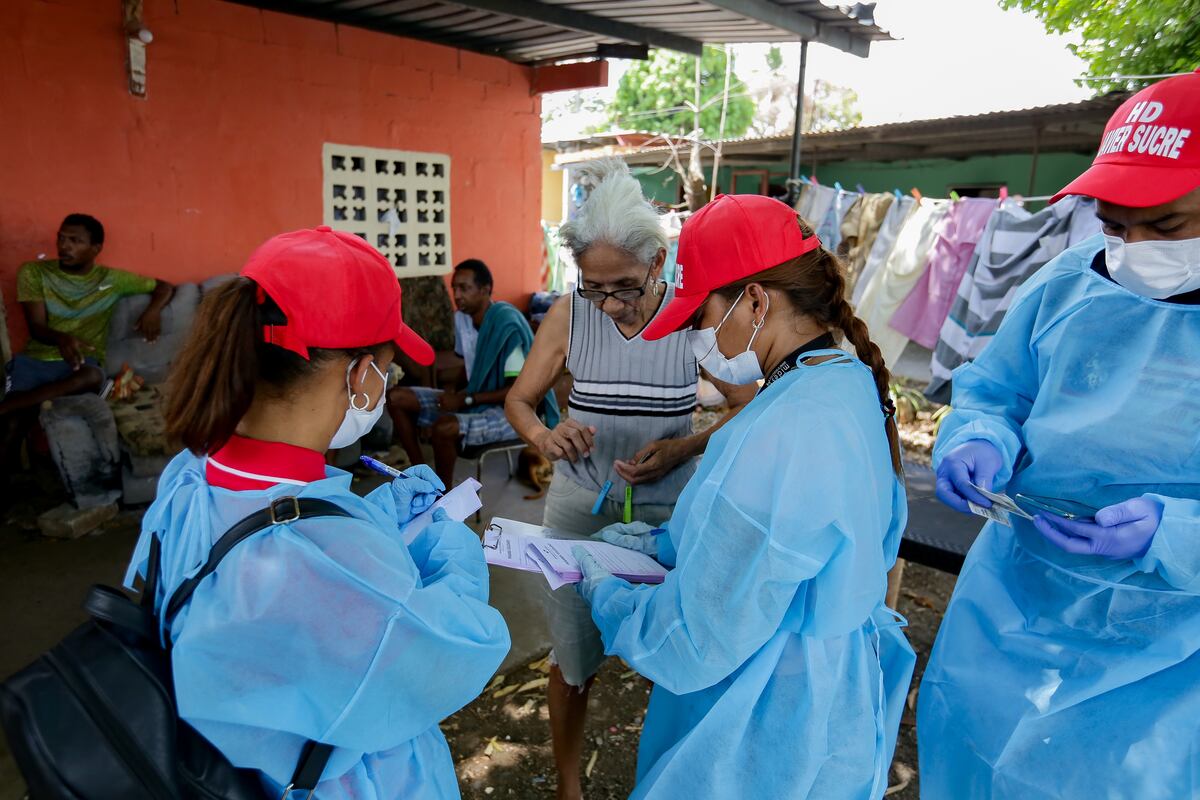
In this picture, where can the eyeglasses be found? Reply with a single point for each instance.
(620, 295)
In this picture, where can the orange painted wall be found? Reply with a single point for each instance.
(225, 150)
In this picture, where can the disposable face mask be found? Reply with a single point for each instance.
(1155, 269)
(358, 420)
(739, 370)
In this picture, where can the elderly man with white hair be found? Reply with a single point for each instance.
(630, 417)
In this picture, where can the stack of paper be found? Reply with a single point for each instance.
(532, 548)
(460, 502)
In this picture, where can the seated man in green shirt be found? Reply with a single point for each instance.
(68, 303)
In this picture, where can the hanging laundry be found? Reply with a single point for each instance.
(829, 231)
(818, 207)
(895, 279)
(922, 313)
(804, 200)
(859, 229)
(881, 248)
(1014, 245)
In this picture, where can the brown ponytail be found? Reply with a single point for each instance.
(225, 362)
(815, 283)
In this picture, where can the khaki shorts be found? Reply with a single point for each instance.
(578, 650)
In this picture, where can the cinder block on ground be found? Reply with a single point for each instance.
(69, 522)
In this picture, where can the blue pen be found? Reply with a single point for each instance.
(384, 469)
(603, 494)
(658, 531)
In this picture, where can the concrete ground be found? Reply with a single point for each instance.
(43, 581)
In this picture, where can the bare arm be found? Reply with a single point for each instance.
(656, 459)
(149, 324)
(543, 366)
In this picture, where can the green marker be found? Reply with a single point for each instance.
(628, 503)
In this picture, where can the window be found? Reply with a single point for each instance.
(398, 201)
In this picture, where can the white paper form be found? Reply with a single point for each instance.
(460, 502)
(506, 544)
(628, 564)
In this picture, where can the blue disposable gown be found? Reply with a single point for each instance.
(1062, 676)
(778, 671)
(325, 628)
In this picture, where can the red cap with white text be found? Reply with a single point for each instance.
(731, 238)
(336, 291)
(1150, 151)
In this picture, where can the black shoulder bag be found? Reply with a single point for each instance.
(94, 717)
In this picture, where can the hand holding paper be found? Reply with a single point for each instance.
(459, 503)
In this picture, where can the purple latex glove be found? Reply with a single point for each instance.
(974, 461)
(1120, 531)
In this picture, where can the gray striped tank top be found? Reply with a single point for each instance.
(634, 392)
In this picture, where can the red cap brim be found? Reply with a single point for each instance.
(414, 346)
(676, 315)
(1133, 186)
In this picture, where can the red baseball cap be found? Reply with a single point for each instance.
(1150, 151)
(734, 236)
(336, 292)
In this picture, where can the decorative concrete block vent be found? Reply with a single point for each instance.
(398, 201)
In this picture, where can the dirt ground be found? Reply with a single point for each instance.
(501, 742)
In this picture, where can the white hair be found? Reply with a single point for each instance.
(615, 213)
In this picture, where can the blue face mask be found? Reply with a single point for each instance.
(739, 370)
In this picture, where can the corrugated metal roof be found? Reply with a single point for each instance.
(540, 31)
(1061, 127)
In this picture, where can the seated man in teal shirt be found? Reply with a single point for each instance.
(493, 339)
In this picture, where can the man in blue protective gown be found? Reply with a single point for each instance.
(1068, 663)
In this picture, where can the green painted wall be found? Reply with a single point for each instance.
(933, 177)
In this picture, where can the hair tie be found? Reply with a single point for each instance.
(889, 408)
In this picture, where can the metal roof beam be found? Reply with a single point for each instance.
(804, 26)
(564, 17)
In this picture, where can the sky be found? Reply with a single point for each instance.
(953, 57)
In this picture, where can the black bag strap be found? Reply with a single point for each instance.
(314, 755)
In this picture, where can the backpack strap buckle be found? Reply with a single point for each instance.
(284, 510)
(288, 790)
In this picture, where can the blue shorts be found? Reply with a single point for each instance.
(485, 426)
(24, 374)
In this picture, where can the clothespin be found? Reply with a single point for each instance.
(897, 193)
(804, 179)
(860, 188)
(1003, 193)
(814, 181)
(954, 196)
(837, 185)
(916, 193)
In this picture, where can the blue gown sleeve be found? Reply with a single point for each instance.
(449, 553)
(993, 395)
(333, 635)
(748, 548)
(1174, 553)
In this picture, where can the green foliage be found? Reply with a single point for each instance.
(1125, 37)
(830, 107)
(774, 58)
(656, 95)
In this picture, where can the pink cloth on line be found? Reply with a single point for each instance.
(922, 313)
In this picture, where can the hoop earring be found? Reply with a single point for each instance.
(657, 288)
(366, 402)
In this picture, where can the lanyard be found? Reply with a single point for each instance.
(823, 342)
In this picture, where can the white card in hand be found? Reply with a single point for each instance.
(459, 503)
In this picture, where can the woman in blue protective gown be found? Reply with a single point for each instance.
(1068, 662)
(353, 632)
(778, 671)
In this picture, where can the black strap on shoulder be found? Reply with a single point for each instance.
(280, 512)
(153, 571)
(313, 758)
(315, 755)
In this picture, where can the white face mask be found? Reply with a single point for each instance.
(359, 420)
(739, 370)
(1155, 269)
